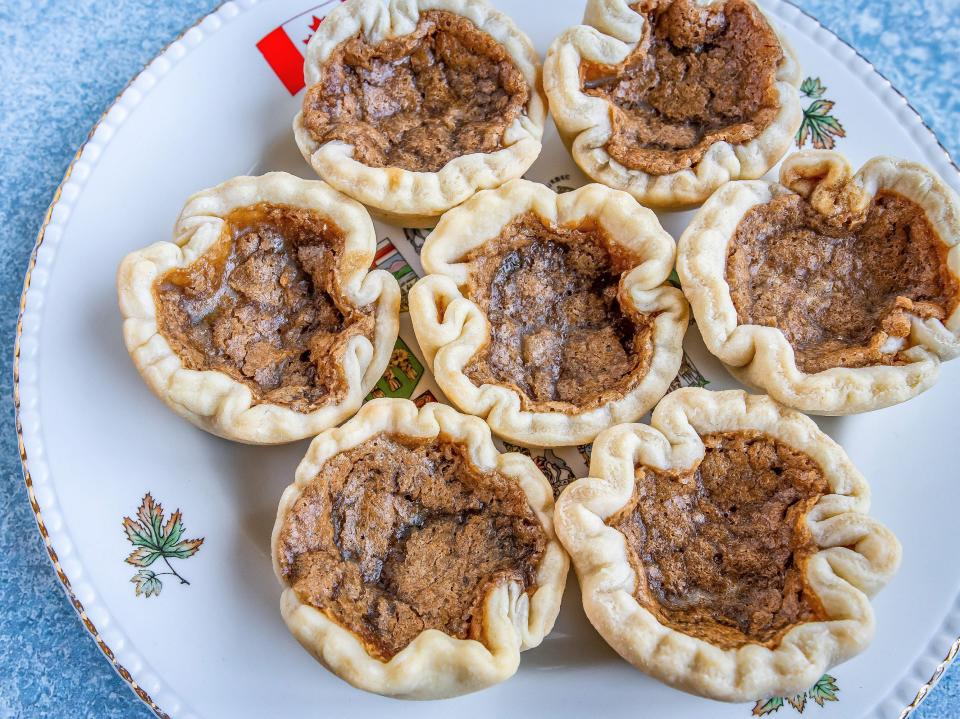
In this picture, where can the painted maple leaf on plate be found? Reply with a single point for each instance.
(819, 126)
(155, 539)
(147, 583)
(769, 706)
(812, 87)
(825, 690)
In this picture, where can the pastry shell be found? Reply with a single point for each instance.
(434, 665)
(213, 400)
(761, 356)
(857, 555)
(404, 197)
(611, 31)
(452, 328)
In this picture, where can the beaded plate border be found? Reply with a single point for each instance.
(26, 345)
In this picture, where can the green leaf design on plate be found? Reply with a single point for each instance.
(811, 87)
(147, 583)
(819, 126)
(825, 690)
(155, 539)
(764, 708)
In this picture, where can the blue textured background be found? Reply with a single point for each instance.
(61, 64)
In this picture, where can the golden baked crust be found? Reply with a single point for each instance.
(826, 345)
(723, 106)
(201, 313)
(513, 614)
(851, 555)
(550, 315)
(401, 150)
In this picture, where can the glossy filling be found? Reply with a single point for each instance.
(558, 332)
(418, 101)
(263, 305)
(841, 290)
(698, 76)
(719, 552)
(399, 535)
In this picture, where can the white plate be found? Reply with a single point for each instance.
(95, 441)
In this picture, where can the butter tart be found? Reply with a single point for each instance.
(834, 292)
(725, 548)
(550, 315)
(414, 105)
(416, 560)
(669, 99)
(261, 321)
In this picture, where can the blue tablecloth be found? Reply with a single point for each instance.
(61, 65)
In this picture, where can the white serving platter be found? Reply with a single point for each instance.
(218, 102)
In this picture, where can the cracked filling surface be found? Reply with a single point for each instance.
(841, 290)
(698, 76)
(719, 551)
(420, 100)
(399, 535)
(559, 335)
(263, 305)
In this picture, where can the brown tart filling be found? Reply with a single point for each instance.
(263, 305)
(698, 76)
(418, 101)
(839, 289)
(720, 551)
(558, 331)
(399, 535)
